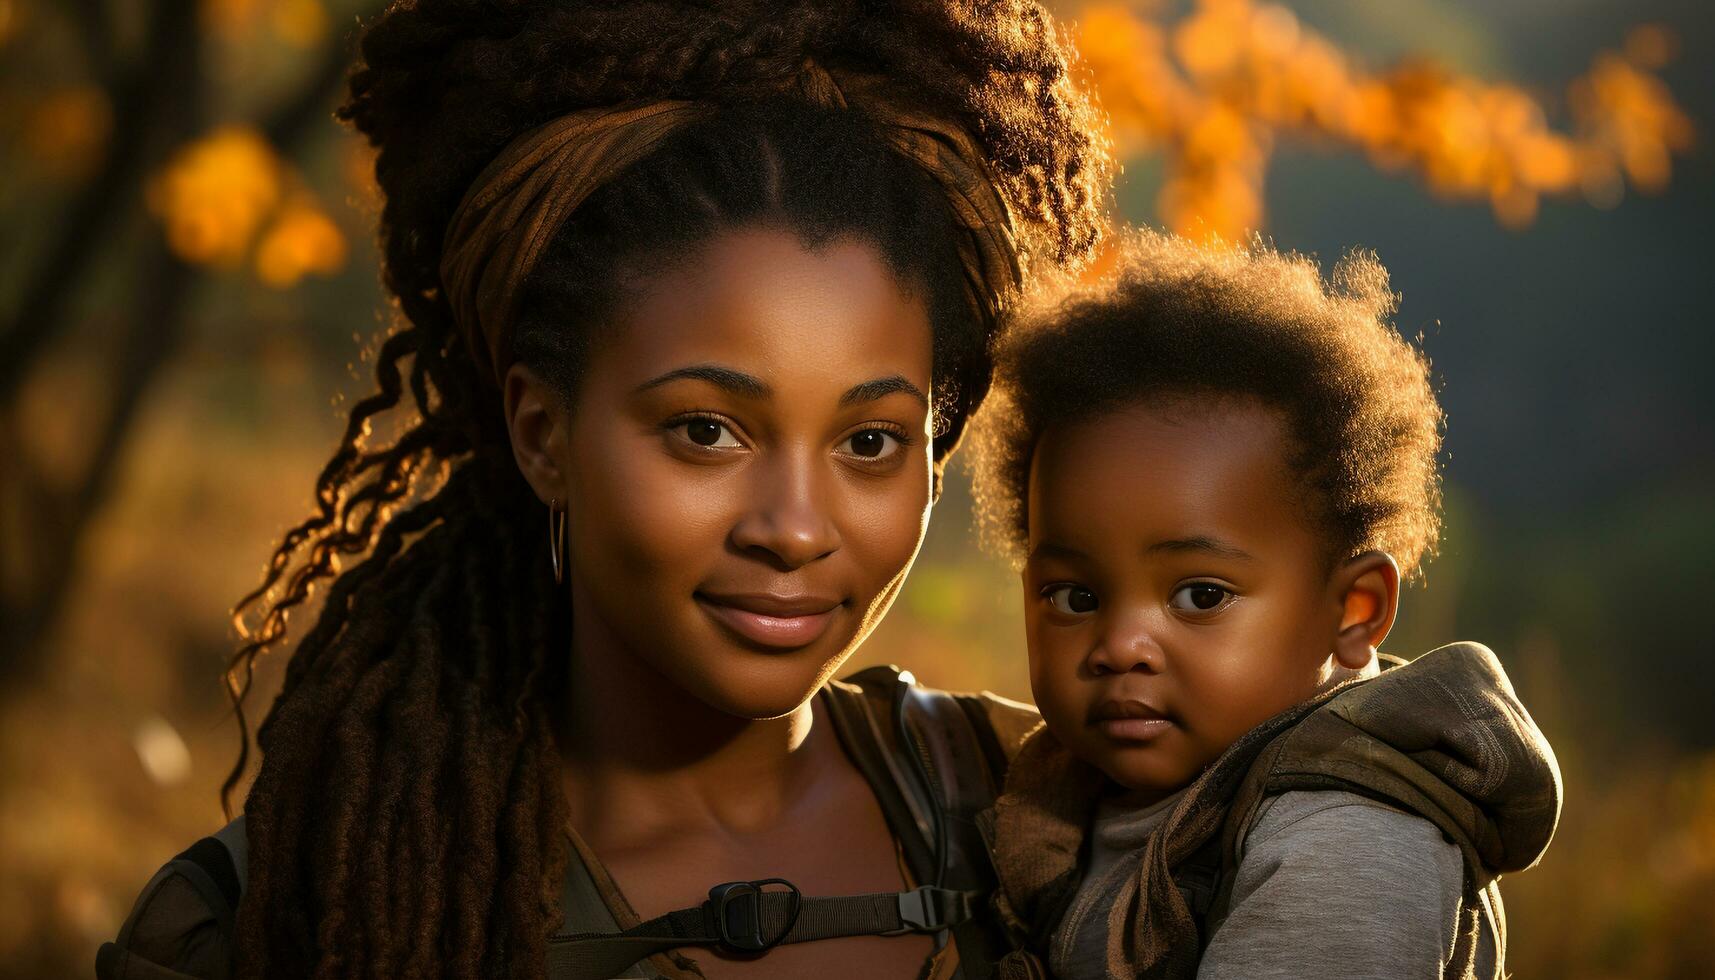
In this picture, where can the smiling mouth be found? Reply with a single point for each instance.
(1129, 720)
(768, 620)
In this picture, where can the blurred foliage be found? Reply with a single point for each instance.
(66, 129)
(227, 192)
(296, 23)
(1215, 90)
(161, 417)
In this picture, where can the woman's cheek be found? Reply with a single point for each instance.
(660, 513)
(884, 527)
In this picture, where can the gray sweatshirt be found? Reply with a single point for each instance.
(1329, 884)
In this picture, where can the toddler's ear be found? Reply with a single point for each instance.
(1369, 587)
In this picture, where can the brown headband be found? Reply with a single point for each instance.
(519, 201)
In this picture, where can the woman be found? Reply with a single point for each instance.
(704, 294)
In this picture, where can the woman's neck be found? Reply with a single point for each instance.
(642, 756)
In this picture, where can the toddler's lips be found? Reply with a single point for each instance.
(1129, 720)
(1134, 729)
(780, 622)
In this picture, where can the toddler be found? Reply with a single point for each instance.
(1214, 472)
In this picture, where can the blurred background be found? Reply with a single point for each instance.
(188, 294)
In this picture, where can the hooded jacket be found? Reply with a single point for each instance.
(1443, 737)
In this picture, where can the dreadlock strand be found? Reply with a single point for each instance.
(396, 849)
(420, 899)
(300, 722)
(475, 806)
(350, 754)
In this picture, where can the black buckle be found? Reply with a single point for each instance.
(931, 909)
(734, 913)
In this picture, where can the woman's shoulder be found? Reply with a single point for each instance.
(180, 927)
(1000, 722)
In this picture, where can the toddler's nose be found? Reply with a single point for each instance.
(1126, 645)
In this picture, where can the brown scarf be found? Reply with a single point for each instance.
(520, 200)
(1444, 737)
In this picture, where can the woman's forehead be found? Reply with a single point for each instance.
(801, 321)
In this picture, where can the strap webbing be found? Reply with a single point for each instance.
(596, 956)
(854, 722)
(208, 866)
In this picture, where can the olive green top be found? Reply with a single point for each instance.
(180, 927)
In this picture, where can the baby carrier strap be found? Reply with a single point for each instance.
(586, 914)
(938, 751)
(949, 752)
(752, 917)
(934, 760)
(214, 867)
(209, 867)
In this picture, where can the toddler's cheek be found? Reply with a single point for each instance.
(1056, 713)
(1055, 688)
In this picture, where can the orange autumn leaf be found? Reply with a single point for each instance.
(214, 193)
(302, 240)
(222, 196)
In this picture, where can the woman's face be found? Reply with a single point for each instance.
(746, 465)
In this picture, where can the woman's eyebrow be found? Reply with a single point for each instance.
(880, 388)
(725, 378)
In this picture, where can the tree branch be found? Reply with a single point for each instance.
(155, 332)
(142, 96)
(164, 283)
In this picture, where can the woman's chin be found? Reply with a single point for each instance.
(765, 690)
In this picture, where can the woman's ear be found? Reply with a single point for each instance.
(537, 421)
(1368, 587)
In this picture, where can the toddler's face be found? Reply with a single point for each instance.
(1176, 593)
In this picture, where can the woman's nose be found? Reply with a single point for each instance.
(790, 519)
(1126, 644)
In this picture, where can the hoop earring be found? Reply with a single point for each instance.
(557, 539)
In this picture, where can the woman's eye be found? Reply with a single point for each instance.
(709, 433)
(1199, 597)
(873, 444)
(1073, 600)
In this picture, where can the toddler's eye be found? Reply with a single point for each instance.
(1073, 600)
(1199, 597)
(708, 432)
(873, 444)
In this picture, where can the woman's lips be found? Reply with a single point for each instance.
(780, 622)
